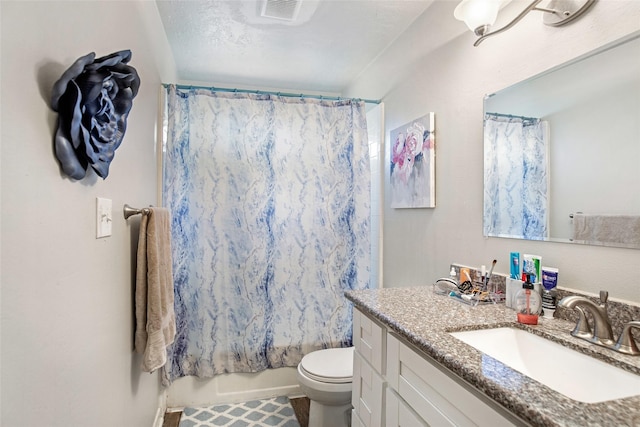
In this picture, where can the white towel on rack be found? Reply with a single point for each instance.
(603, 229)
(155, 315)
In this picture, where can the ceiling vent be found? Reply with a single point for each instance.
(286, 10)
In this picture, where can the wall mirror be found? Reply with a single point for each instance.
(562, 152)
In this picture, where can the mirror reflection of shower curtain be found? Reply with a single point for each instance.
(271, 205)
(516, 179)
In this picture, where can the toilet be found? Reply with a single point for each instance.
(325, 376)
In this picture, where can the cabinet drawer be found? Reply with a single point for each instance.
(399, 414)
(355, 420)
(368, 339)
(434, 395)
(366, 396)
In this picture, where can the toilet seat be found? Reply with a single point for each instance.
(333, 365)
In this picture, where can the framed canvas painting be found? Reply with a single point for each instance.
(413, 164)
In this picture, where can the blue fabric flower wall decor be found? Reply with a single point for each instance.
(92, 99)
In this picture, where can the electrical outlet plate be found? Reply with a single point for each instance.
(104, 217)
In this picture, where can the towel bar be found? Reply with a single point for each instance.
(129, 211)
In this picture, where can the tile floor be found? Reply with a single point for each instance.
(259, 413)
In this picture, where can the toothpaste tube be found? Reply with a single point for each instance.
(531, 264)
(549, 278)
(549, 293)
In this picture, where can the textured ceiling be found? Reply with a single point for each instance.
(325, 49)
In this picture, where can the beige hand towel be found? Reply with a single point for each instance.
(155, 316)
(612, 229)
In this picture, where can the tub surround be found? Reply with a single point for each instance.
(425, 320)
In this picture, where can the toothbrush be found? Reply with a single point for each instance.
(493, 264)
(462, 297)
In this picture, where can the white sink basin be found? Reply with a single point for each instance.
(562, 369)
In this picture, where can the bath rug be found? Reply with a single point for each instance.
(276, 412)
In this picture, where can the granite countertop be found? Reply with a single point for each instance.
(425, 319)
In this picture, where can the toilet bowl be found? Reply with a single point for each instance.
(325, 376)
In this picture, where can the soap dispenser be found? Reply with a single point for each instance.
(528, 303)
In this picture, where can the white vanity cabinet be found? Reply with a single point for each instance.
(395, 385)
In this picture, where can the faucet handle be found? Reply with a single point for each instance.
(604, 296)
(626, 344)
(582, 329)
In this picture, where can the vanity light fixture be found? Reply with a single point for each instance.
(480, 15)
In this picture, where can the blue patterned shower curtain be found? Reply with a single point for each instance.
(516, 177)
(271, 209)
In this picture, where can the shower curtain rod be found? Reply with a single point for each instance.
(510, 116)
(266, 92)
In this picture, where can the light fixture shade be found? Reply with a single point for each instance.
(478, 13)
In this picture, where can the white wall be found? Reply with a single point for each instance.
(600, 157)
(67, 308)
(419, 244)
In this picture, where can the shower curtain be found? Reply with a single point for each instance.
(516, 177)
(271, 214)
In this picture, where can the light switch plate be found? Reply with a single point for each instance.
(104, 217)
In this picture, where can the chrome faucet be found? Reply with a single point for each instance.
(602, 334)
